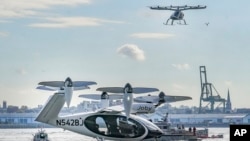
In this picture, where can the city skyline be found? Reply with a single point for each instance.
(115, 42)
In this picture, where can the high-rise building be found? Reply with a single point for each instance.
(4, 104)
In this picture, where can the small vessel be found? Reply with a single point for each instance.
(41, 135)
(180, 133)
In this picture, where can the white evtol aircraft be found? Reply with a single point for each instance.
(106, 123)
(144, 104)
(67, 86)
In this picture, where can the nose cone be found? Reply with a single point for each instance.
(154, 133)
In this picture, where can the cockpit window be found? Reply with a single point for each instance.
(176, 14)
(114, 126)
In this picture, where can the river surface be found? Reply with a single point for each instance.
(57, 134)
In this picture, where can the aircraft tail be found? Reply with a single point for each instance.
(52, 108)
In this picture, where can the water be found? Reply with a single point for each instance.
(58, 134)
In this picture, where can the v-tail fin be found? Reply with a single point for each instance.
(51, 108)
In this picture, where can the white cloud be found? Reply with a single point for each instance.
(152, 35)
(21, 71)
(4, 34)
(65, 22)
(23, 8)
(181, 66)
(228, 83)
(132, 51)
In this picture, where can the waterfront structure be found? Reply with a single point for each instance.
(27, 120)
(205, 119)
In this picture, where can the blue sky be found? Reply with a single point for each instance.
(114, 42)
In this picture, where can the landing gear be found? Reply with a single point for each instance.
(167, 22)
(172, 22)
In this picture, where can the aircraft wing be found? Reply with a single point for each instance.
(80, 88)
(155, 99)
(98, 96)
(136, 90)
(170, 99)
(91, 96)
(112, 109)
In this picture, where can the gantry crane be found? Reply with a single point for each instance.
(207, 93)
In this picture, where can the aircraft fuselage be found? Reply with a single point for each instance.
(111, 126)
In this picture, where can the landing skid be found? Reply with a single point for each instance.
(179, 23)
(167, 24)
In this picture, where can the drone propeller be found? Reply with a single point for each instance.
(128, 91)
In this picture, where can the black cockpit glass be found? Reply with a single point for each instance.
(176, 14)
(114, 126)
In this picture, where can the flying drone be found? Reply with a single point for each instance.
(178, 14)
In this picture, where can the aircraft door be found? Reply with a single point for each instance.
(114, 126)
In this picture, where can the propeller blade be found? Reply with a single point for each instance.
(52, 83)
(111, 89)
(61, 83)
(46, 88)
(147, 99)
(165, 98)
(83, 83)
(138, 90)
(170, 99)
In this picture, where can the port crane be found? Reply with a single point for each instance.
(207, 95)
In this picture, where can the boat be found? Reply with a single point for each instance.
(41, 135)
(180, 133)
(176, 133)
